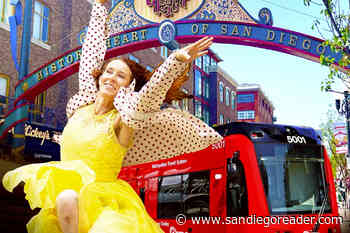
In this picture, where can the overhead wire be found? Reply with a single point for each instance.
(294, 10)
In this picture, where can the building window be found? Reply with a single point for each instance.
(221, 90)
(164, 52)
(221, 119)
(213, 62)
(149, 68)
(198, 62)
(198, 82)
(227, 96)
(40, 102)
(133, 58)
(185, 101)
(4, 92)
(4, 11)
(233, 95)
(206, 63)
(246, 115)
(176, 103)
(4, 85)
(208, 117)
(41, 22)
(206, 87)
(198, 109)
(246, 98)
(206, 114)
(37, 109)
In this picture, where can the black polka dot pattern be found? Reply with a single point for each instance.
(159, 134)
(169, 132)
(93, 53)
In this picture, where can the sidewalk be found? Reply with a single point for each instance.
(345, 213)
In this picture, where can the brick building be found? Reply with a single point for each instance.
(253, 105)
(57, 27)
(226, 89)
(213, 89)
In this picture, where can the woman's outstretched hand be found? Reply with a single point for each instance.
(194, 50)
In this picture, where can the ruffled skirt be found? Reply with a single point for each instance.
(108, 207)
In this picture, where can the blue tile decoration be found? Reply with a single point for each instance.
(226, 10)
(265, 16)
(123, 15)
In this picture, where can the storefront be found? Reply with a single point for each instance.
(41, 142)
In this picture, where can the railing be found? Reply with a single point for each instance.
(37, 113)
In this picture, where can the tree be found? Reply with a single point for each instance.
(338, 21)
(338, 161)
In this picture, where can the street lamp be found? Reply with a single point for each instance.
(343, 109)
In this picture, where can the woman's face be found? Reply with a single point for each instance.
(117, 74)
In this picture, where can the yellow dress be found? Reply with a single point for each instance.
(91, 160)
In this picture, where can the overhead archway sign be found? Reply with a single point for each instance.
(132, 31)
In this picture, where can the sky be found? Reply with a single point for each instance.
(293, 84)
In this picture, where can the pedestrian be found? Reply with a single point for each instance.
(115, 110)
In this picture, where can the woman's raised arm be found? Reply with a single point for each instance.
(152, 95)
(136, 107)
(92, 56)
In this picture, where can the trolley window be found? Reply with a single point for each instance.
(293, 177)
(184, 194)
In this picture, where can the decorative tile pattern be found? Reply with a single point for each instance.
(228, 10)
(123, 15)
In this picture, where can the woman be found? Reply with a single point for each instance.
(107, 118)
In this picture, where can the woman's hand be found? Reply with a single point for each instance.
(194, 50)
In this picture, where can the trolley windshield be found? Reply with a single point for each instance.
(293, 176)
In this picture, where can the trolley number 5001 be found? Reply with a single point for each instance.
(296, 139)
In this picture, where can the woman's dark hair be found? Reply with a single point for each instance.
(142, 76)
